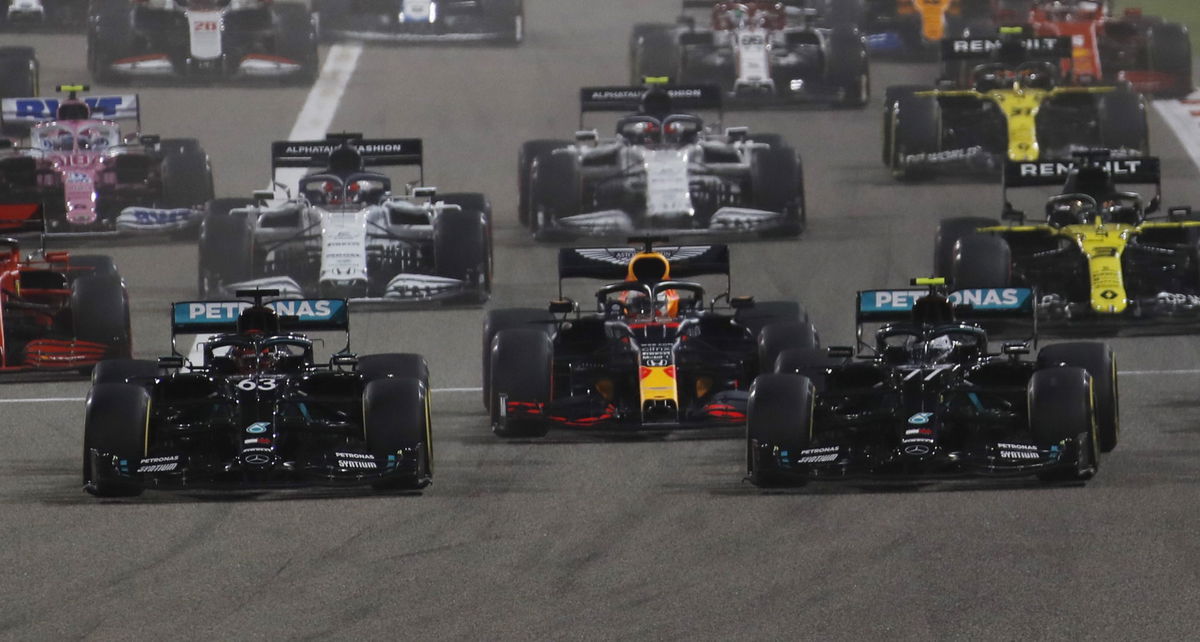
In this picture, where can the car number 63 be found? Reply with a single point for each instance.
(257, 384)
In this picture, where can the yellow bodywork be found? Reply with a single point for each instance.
(659, 383)
(1020, 106)
(1103, 244)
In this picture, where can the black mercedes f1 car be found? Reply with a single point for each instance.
(257, 411)
(929, 398)
(655, 354)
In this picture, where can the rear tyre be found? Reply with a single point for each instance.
(780, 336)
(556, 191)
(115, 423)
(776, 185)
(296, 39)
(109, 38)
(916, 129)
(778, 416)
(981, 261)
(521, 371)
(186, 173)
(136, 371)
(1101, 364)
(18, 78)
(508, 19)
(504, 319)
(849, 70)
(396, 418)
(100, 313)
(812, 363)
(462, 249)
(654, 52)
(226, 247)
(1060, 409)
(949, 231)
(1122, 120)
(1170, 52)
(531, 151)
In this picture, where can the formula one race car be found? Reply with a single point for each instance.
(930, 399)
(454, 21)
(345, 234)
(93, 180)
(913, 27)
(1153, 55)
(201, 41)
(1013, 113)
(58, 312)
(56, 15)
(1097, 258)
(258, 411)
(663, 171)
(655, 354)
(759, 53)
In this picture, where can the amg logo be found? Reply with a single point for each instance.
(1113, 167)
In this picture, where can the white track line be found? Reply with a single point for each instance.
(311, 124)
(76, 399)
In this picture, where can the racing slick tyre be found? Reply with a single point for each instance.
(786, 335)
(777, 185)
(462, 249)
(916, 129)
(891, 97)
(395, 418)
(556, 191)
(109, 37)
(531, 151)
(1170, 52)
(115, 422)
(18, 76)
(226, 247)
(1099, 361)
(507, 18)
(296, 39)
(981, 261)
(810, 362)
(186, 173)
(653, 52)
(1122, 122)
(779, 416)
(397, 365)
(1060, 409)
(949, 231)
(521, 371)
(504, 319)
(474, 201)
(100, 313)
(122, 370)
(848, 68)
(91, 265)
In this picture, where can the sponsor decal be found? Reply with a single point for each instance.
(356, 463)
(77, 177)
(1056, 169)
(47, 108)
(1019, 452)
(917, 449)
(657, 355)
(258, 427)
(309, 310)
(818, 455)
(988, 45)
(947, 156)
(917, 440)
(979, 299)
(158, 464)
(920, 418)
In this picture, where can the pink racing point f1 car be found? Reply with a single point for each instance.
(93, 180)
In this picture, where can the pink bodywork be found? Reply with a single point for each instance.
(78, 150)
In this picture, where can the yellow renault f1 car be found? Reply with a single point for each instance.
(1017, 113)
(1097, 256)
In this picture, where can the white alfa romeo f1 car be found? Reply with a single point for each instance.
(345, 234)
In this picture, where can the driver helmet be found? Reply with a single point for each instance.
(72, 109)
(331, 193)
(1037, 75)
(991, 76)
(258, 320)
(656, 103)
(253, 358)
(344, 159)
(1070, 209)
(938, 349)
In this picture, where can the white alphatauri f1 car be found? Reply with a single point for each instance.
(345, 234)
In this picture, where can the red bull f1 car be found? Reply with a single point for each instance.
(58, 312)
(653, 354)
(930, 398)
(258, 410)
(93, 179)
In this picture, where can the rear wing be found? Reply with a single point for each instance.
(612, 263)
(683, 97)
(33, 110)
(295, 315)
(376, 152)
(986, 48)
(971, 305)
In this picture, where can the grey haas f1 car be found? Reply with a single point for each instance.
(201, 40)
(664, 171)
(762, 54)
(91, 178)
(346, 234)
(653, 354)
(258, 411)
(929, 398)
(449, 21)
(1099, 258)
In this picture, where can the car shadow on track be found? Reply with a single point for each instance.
(568, 437)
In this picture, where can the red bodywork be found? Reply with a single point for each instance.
(35, 299)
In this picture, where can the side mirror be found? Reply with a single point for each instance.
(587, 137)
(839, 352)
(149, 140)
(1015, 348)
(424, 191)
(344, 360)
(263, 195)
(737, 134)
(173, 362)
(1012, 215)
(741, 302)
(1154, 204)
(562, 306)
(1179, 213)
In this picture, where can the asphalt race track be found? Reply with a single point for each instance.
(579, 537)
